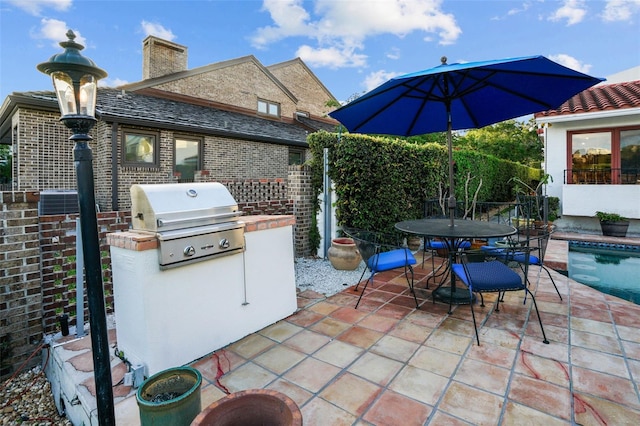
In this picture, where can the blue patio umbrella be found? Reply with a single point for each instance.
(462, 96)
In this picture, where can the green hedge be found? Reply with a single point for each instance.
(380, 181)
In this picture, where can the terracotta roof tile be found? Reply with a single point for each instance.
(600, 98)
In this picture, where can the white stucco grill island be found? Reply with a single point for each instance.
(166, 318)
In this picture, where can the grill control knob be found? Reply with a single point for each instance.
(189, 251)
(224, 243)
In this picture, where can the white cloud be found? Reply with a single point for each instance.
(155, 29)
(620, 10)
(331, 57)
(35, 7)
(376, 78)
(570, 62)
(517, 10)
(343, 26)
(572, 10)
(55, 31)
(393, 53)
(112, 82)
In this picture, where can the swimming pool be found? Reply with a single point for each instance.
(611, 269)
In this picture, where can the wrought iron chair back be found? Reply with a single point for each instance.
(382, 252)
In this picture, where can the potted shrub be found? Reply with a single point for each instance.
(612, 224)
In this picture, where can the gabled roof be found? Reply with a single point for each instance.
(153, 82)
(599, 98)
(143, 110)
(300, 62)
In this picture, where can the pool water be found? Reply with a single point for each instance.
(614, 272)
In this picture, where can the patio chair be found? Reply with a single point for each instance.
(533, 244)
(382, 252)
(491, 276)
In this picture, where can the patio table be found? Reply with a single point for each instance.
(453, 236)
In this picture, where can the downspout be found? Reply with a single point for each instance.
(114, 166)
(327, 203)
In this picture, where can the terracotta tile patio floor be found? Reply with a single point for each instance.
(388, 363)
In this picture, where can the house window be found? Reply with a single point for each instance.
(268, 108)
(630, 156)
(140, 148)
(604, 156)
(296, 156)
(187, 158)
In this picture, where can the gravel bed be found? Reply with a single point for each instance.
(27, 400)
(318, 275)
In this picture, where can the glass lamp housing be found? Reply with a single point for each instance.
(74, 78)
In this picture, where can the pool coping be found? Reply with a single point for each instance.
(558, 248)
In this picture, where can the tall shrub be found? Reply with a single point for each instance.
(380, 181)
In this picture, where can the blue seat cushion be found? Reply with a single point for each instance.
(488, 276)
(519, 257)
(390, 260)
(440, 245)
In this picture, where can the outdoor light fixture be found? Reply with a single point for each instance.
(75, 81)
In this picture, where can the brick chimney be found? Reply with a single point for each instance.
(162, 57)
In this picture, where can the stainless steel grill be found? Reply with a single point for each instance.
(192, 221)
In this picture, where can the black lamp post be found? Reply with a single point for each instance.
(75, 81)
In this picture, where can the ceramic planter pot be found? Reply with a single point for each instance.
(614, 229)
(413, 243)
(251, 407)
(170, 397)
(343, 254)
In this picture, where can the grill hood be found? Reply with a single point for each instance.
(166, 207)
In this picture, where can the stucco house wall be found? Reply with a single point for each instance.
(613, 107)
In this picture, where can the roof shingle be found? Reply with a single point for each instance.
(599, 98)
(159, 112)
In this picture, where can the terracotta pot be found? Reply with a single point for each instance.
(251, 407)
(413, 243)
(477, 244)
(343, 254)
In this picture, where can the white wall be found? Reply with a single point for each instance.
(585, 200)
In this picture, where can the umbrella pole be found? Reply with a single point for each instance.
(452, 195)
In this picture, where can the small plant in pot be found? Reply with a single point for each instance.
(613, 224)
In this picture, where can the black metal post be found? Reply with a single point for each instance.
(74, 79)
(83, 161)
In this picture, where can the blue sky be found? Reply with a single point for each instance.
(351, 45)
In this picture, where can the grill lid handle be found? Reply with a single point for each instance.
(194, 219)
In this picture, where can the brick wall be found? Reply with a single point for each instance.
(44, 153)
(58, 264)
(301, 194)
(44, 158)
(102, 161)
(20, 295)
(162, 57)
(311, 94)
(239, 82)
(224, 160)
